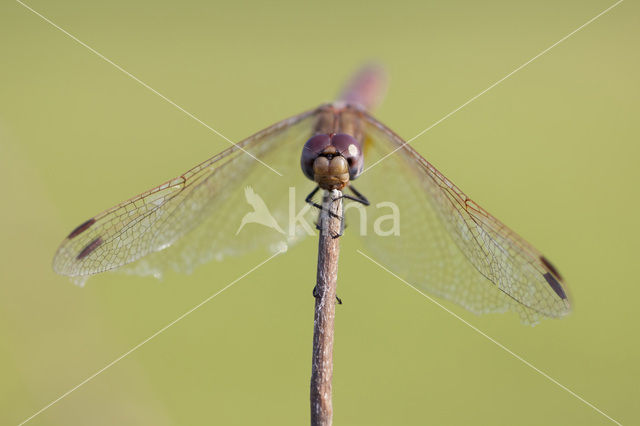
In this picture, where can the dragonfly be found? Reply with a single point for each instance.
(444, 244)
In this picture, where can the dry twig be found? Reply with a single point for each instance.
(323, 323)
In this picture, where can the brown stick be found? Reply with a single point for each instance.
(323, 321)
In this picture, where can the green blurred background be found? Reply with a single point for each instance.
(552, 151)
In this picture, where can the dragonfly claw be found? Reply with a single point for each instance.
(317, 295)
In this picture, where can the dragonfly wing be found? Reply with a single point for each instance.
(197, 216)
(447, 244)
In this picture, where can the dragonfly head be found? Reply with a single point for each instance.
(332, 160)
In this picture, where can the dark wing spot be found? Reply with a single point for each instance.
(89, 248)
(81, 228)
(550, 267)
(555, 285)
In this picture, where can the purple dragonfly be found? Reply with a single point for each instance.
(443, 242)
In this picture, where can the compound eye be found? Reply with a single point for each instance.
(317, 144)
(343, 142)
(312, 148)
(351, 150)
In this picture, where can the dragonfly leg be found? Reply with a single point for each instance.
(339, 234)
(317, 295)
(342, 225)
(358, 196)
(309, 200)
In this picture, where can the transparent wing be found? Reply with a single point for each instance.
(198, 215)
(447, 244)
